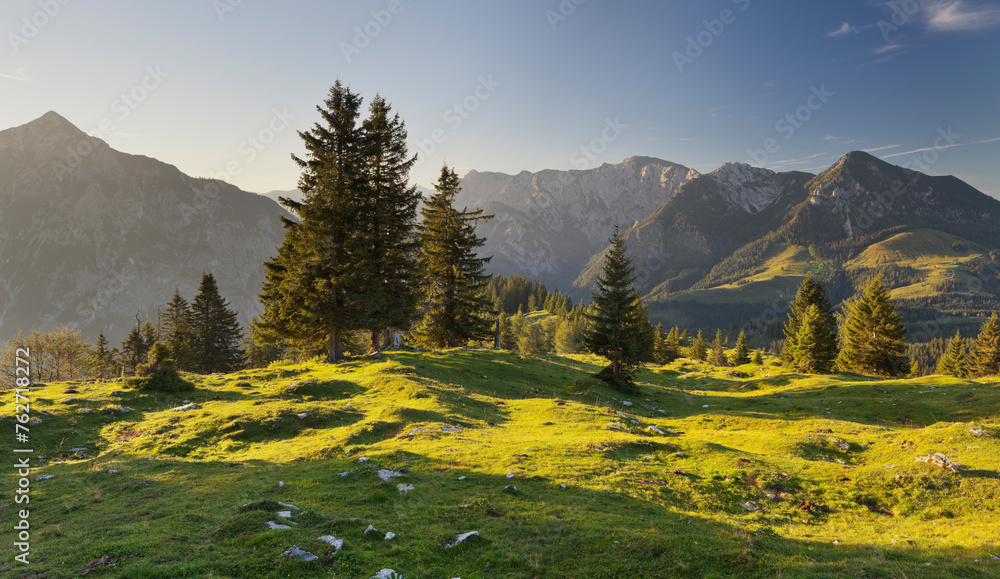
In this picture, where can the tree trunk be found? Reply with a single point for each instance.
(396, 339)
(336, 348)
(376, 344)
(496, 339)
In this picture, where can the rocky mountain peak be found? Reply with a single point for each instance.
(748, 187)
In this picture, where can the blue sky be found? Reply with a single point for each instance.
(219, 87)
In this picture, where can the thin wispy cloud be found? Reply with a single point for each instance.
(915, 151)
(844, 29)
(21, 75)
(885, 148)
(887, 48)
(960, 16)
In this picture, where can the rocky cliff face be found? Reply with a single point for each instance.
(89, 235)
(548, 224)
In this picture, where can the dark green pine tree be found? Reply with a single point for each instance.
(102, 358)
(986, 357)
(178, 331)
(134, 350)
(718, 355)
(457, 309)
(217, 334)
(699, 351)
(873, 335)
(741, 355)
(953, 362)
(508, 341)
(758, 358)
(150, 335)
(391, 249)
(812, 354)
(810, 293)
(617, 324)
(313, 288)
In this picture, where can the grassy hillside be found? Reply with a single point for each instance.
(754, 472)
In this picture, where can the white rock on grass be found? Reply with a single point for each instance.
(510, 474)
(977, 431)
(386, 574)
(276, 527)
(44, 477)
(281, 483)
(285, 514)
(461, 538)
(343, 474)
(363, 459)
(337, 544)
(79, 449)
(655, 430)
(404, 488)
(386, 474)
(626, 403)
(296, 553)
(940, 460)
(461, 478)
(840, 445)
(302, 415)
(185, 408)
(390, 536)
(370, 529)
(293, 507)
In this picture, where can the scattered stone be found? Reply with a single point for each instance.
(79, 449)
(68, 401)
(285, 514)
(940, 460)
(363, 459)
(562, 486)
(461, 538)
(343, 474)
(117, 452)
(450, 429)
(977, 431)
(613, 424)
(112, 471)
(390, 536)
(655, 430)
(281, 483)
(292, 507)
(386, 474)
(117, 393)
(510, 489)
(752, 507)
(296, 553)
(185, 408)
(995, 558)
(302, 415)
(35, 422)
(663, 412)
(840, 445)
(369, 530)
(85, 411)
(484, 377)
(44, 477)
(337, 544)
(404, 488)
(510, 474)
(461, 478)
(681, 454)
(626, 403)
(705, 406)
(276, 527)
(386, 574)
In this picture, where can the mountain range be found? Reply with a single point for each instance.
(90, 236)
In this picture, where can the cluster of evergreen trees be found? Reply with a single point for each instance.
(357, 261)
(984, 358)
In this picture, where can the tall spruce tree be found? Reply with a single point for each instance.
(618, 326)
(718, 354)
(953, 362)
(178, 331)
(812, 354)
(313, 289)
(741, 354)
(457, 308)
(986, 356)
(390, 210)
(810, 293)
(873, 335)
(101, 357)
(699, 350)
(134, 349)
(217, 334)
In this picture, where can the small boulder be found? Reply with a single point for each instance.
(277, 527)
(371, 529)
(296, 553)
(337, 544)
(386, 574)
(390, 536)
(404, 488)
(363, 459)
(386, 474)
(185, 408)
(44, 477)
(461, 538)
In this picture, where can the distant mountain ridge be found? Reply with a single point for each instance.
(89, 235)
